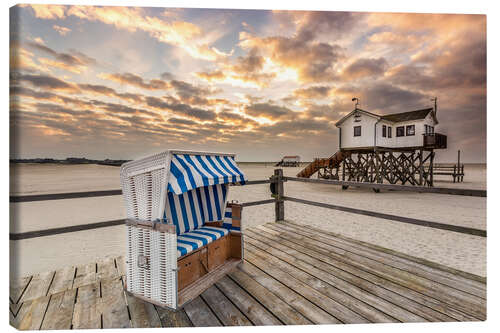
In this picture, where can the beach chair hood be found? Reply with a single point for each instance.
(189, 171)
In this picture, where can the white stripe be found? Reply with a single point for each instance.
(178, 209)
(208, 238)
(197, 208)
(173, 182)
(192, 240)
(209, 166)
(230, 178)
(233, 173)
(215, 228)
(196, 175)
(188, 247)
(188, 211)
(178, 253)
(233, 163)
(204, 203)
(184, 173)
(203, 171)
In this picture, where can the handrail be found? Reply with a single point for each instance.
(75, 195)
(278, 200)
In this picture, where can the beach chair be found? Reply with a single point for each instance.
(182, 234)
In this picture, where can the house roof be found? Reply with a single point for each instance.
(395, 117)
(291, 156)
(407, 116)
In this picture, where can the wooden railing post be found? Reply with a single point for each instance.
(279, 206)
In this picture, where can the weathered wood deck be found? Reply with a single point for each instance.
(292, 274)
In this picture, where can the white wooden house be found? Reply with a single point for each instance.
(361, 129)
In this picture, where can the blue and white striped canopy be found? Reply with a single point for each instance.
(188, 172)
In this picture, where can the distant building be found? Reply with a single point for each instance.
(289, 161)
(414, 129)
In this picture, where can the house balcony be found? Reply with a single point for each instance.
(435, 141)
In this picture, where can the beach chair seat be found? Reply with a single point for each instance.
(190, 241)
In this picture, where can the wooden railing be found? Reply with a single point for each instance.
(278, 198)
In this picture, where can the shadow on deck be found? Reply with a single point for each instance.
(292, 274)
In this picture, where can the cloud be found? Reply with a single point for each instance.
(181, 109)
(268, 110)
(312, 61)
(135, 80)
(63, 31)
(46, 82)
(184, 35)
(313, 92)
(74, 61)
(365, 67)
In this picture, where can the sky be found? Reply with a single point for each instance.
(126, 82)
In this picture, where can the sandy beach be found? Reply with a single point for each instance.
(467, 253)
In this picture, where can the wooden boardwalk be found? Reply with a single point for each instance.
(292, 274)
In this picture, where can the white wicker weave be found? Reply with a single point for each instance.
(144, 189)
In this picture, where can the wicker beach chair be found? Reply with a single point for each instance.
(182, 234)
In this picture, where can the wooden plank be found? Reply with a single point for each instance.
(334, 307)
(460, 300)
(481, 281)
(227, 313)
(170, 318)
(402, 219)
(112, 305)
(309, 310)
(106, 269)
(384, 280)
(351, 296)
(85, 274)
(284, 312)
(17, 288)
(63, 280)
(254, 311)
(120, 266)
(30, 314)
(308, 262)
(195, 289)
(60, 311)
(38, 286)
(200, 314)
(470, 286)
(142, 314)
(86, 313)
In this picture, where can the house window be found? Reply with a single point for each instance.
(427, 130)
(400, 131)
(410, 130)
(389, 132)
(384, 131)
(357, 130)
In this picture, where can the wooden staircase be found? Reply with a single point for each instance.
(318, 163)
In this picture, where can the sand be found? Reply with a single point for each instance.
(467, 253)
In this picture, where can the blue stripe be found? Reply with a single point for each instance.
(228, 214)
(224, 193)
(190, 235)
(182, 249)
(222, 164)
(230, 226)
(173, 212)
(207, 169)
(217, 202)
(188, 171)
(212, 163)
(221, 232)
(193, 210)
(209, 206)
(230, 161)
(193, 244)
(200, 231)
(203, 177)
(184, 213)
(179, 177)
